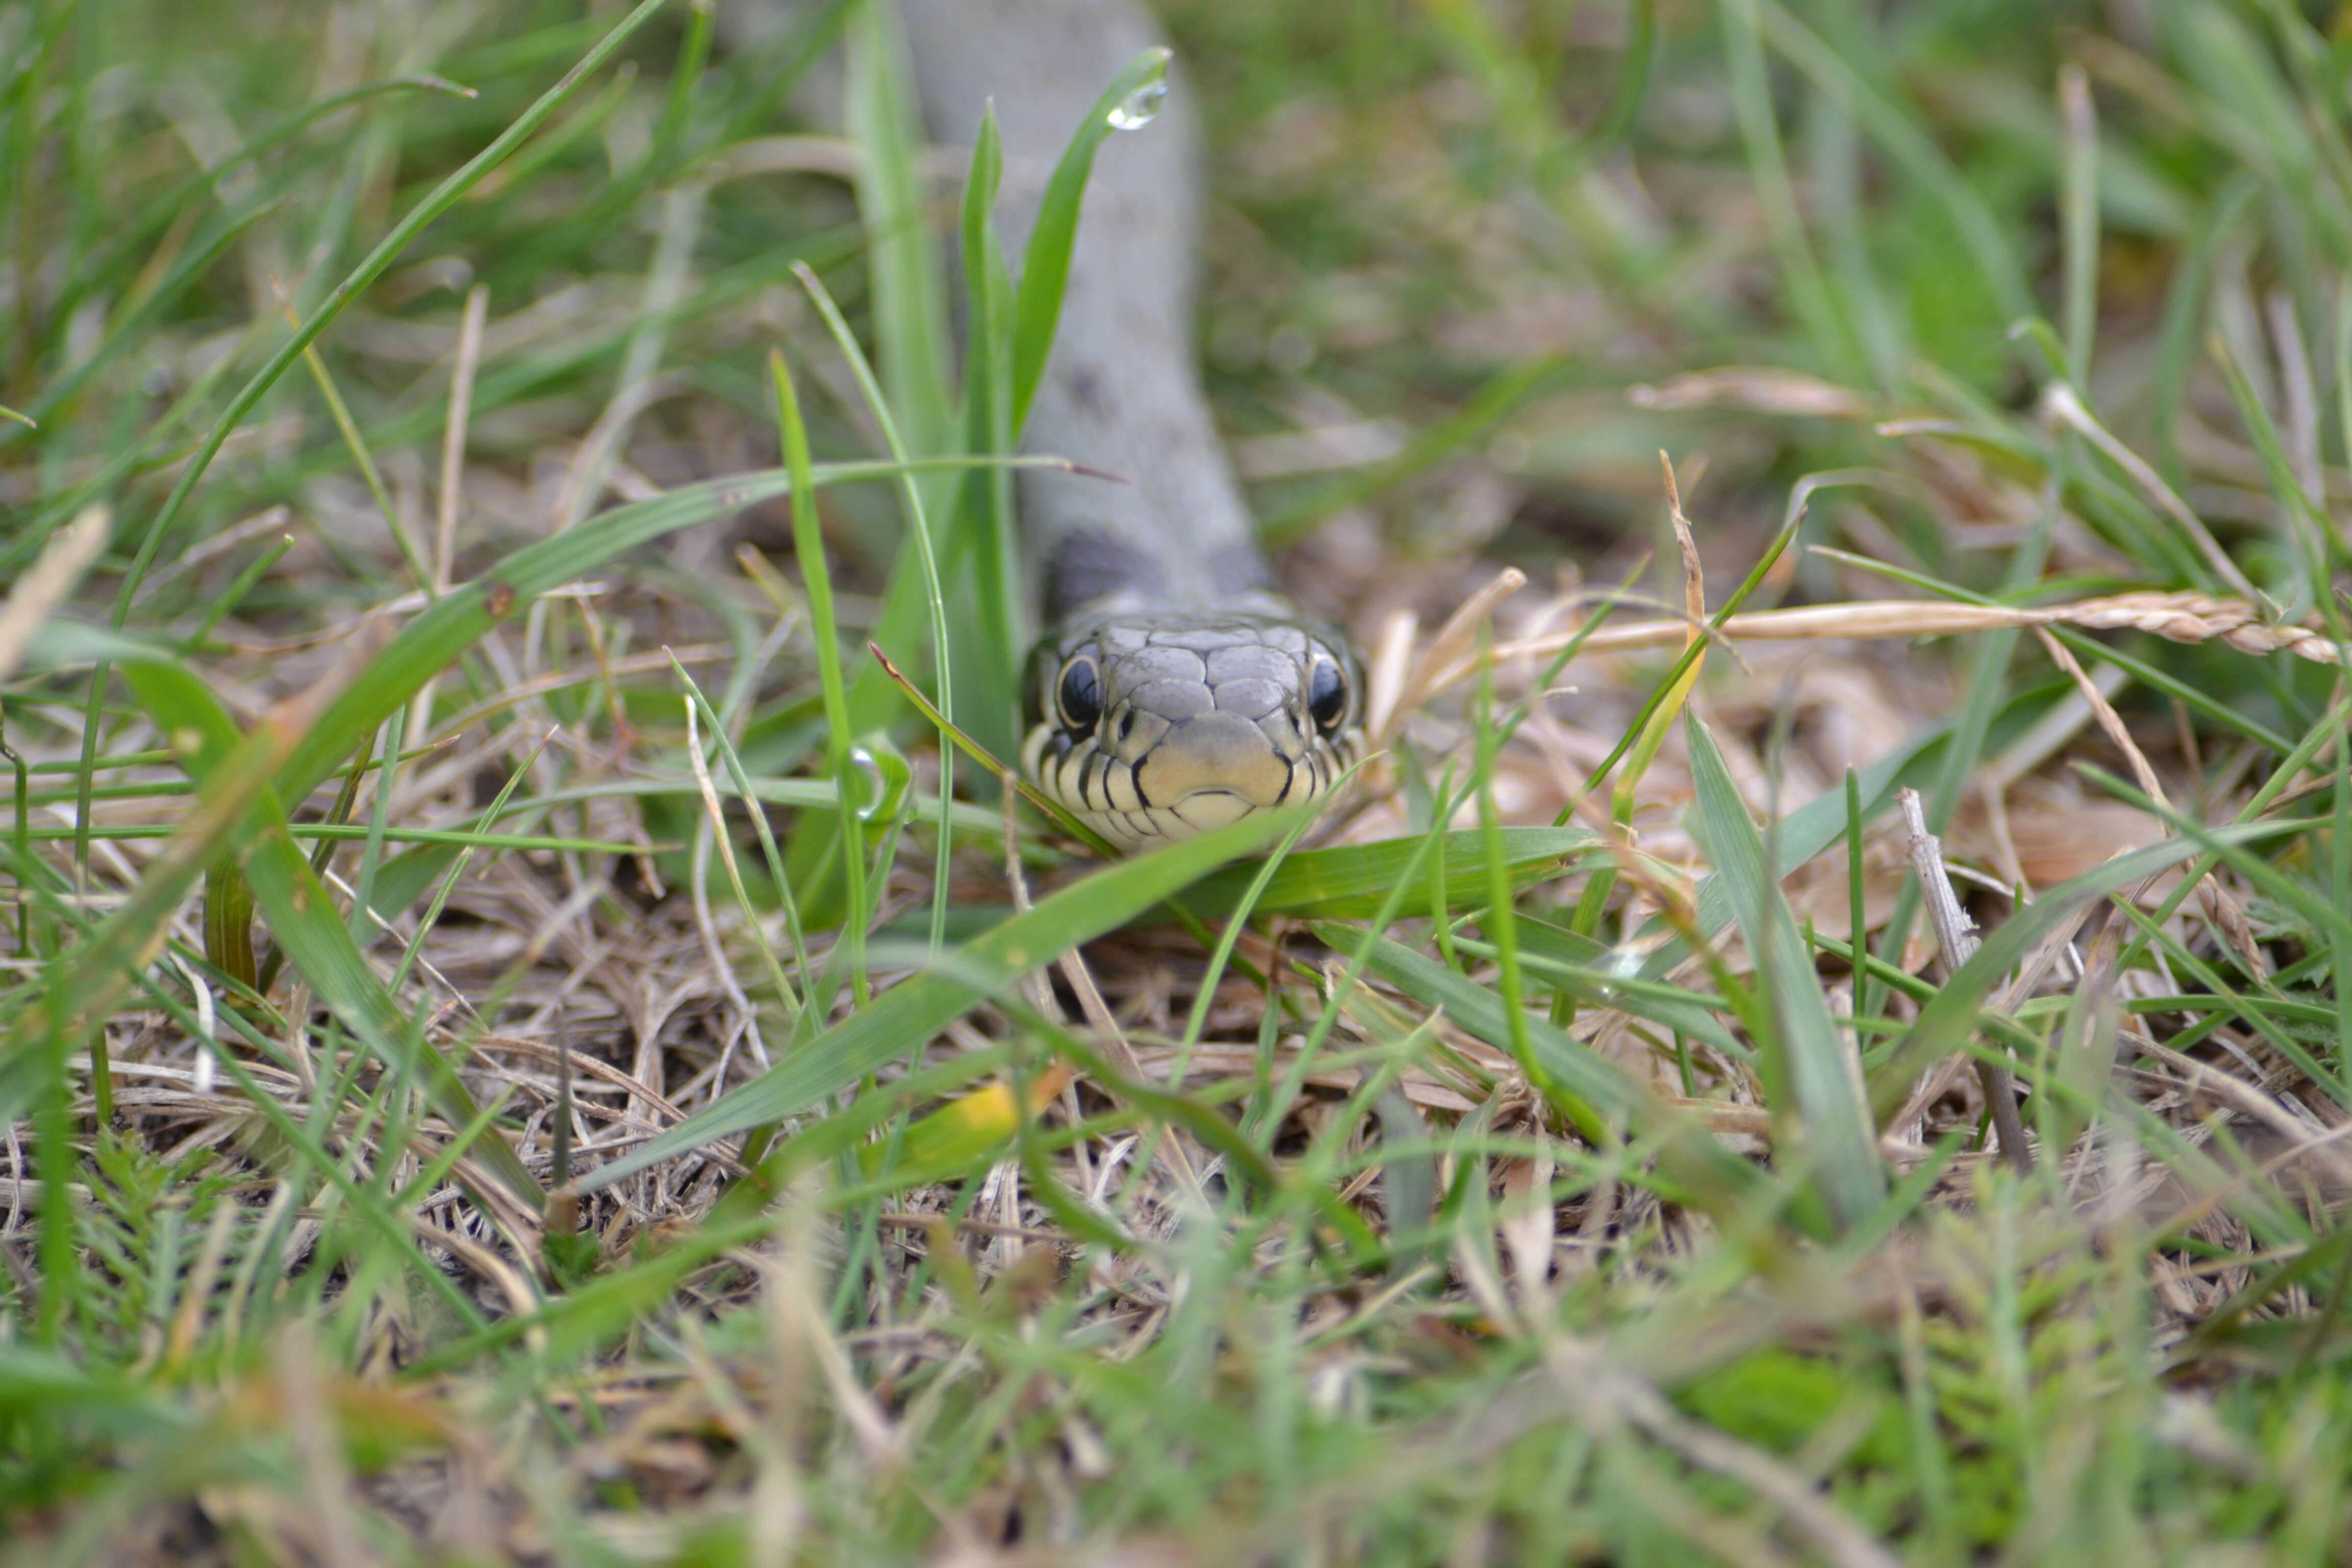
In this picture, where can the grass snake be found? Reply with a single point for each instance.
(1174, 690)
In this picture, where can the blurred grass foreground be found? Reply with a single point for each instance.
(1819, 1040)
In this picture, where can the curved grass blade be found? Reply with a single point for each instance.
(141, 232)
(1907, 147)
(982, 528)
(387, 250)
(104, 965)
(1811, 828)
(909, 289)
(1587, 969)
(919, 528)
(441, 198)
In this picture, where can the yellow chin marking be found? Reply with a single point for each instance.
(1208, 788)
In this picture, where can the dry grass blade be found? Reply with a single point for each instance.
(2185, 618)
(62, 562)
(1451, 656)
(2302, 1132)
(1761, 389)
(453, 440)
(2063, 406)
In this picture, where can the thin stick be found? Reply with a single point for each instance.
(1955, 934)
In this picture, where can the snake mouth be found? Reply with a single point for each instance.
(1206, 809)
(1194, 778)
(1214, 761)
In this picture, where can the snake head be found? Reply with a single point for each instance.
(1159, 727)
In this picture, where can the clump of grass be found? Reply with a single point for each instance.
(686, 1127)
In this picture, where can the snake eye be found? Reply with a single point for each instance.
(1327, 694)
(1079, 693)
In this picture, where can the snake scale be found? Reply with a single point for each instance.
(1173, 691)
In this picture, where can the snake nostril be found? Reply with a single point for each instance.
(1127, 724)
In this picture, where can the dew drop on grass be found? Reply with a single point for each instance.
(878, 788)
(1624, 963)
(1139, 108)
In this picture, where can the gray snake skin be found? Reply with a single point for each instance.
(1174, 690)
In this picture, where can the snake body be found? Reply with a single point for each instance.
(1173, 690)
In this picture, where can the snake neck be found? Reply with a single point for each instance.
(1097, 572)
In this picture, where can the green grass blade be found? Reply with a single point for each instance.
(103, 966)
(1508, 391)
(1347, 881)
(2079, 219)
(918, 529)
(438, 635)
(1805, 833)
(910, 311)
(697, 704)
(1045, 263)
(1768, 169)
(1817, 1107)
(983, 532)
(1591, 970)
(370, 268)
(825, 631)
(438, 201)
(1908, 146)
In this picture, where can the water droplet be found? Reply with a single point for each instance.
(1624, 963)
(878, 788)
(1139, 108)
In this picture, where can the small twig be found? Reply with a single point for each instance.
(1956, 935)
